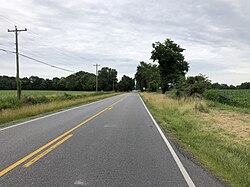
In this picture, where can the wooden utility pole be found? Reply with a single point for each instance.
(96, 80)
(17, 62)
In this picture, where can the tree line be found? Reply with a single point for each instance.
(170, 72)
(80, 81)
(244, 85)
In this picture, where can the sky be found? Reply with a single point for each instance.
(75, 35)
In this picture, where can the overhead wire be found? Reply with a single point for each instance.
(43, 43)
(23, 55)
(38, 55)
(39, 61)
(8, 20)
(55, 50)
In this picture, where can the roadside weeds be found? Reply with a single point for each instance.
(10, 115)
(209, 133)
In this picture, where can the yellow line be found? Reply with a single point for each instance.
(46, 151)
(3, 172)
(9, 168)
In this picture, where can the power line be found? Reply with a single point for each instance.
(7, 51)
(8, 20)
(35, 40)
(39, 61)
(33, 37)
(41, 56)
(56, 51)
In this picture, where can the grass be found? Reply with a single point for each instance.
(37, 93)
(238, 98)
(29, 97)
(12, 93)
(219, 139)
(42, 102)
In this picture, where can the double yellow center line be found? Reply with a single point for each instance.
(46, 151)
(65, 136)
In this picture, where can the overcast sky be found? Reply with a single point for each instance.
(119, 34)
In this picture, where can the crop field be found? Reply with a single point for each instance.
(238, 98)
(8, 98)
(36, 102)
(34, 93)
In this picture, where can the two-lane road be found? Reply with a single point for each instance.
(112, 142)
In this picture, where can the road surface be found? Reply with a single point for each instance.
(112, 142)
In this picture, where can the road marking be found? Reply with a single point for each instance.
(176, 158)
(56, 113)
(46, 145)
(110, 108)
(9, 168)
(46, 151)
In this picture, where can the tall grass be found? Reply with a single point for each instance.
(9, 101)
(33, 93)
(184, 121)
(46, 105)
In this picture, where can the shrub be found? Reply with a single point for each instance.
(193, 86)
(35, 100)
(9, 102)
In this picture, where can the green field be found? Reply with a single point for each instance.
(12, 93)
(8, 98)
(238, 98)
(37, 102)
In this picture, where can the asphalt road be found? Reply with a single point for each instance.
(112, 142)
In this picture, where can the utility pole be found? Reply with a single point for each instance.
(96, 79)
(17, 62)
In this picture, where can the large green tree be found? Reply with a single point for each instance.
(244, 85)
(35, 82)
(7, 83)
(126, 84)
(147, 76)
(171, 61)
(107, 79)
(79, 81)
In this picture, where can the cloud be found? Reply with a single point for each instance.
(119, 34)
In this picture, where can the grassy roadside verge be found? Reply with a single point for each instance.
(219, 139)
(26, 111)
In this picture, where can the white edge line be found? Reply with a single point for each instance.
(177, 160)
(53, 114)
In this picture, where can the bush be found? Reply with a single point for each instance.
(35, 100)
(193, 86)
(67, 96)
(9, 102)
